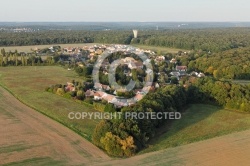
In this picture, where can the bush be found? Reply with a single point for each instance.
(60, 91)
(48, 89)
(99, 106)
(67, 95)
(73, 93)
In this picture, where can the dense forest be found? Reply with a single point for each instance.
(231, 64)
(192, 39)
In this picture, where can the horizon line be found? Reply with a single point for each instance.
(124, 21)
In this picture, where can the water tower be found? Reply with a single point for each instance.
(135, 33)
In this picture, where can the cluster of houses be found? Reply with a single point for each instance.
(101, 92)
(104, 92)
(181, 71)
(91, 51)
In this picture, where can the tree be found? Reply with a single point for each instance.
(174, 80)
(3, 52)
(80, 95)
(1, 60)
(217, 74)
(109, 108)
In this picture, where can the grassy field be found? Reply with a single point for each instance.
(28, 85)
(198, 123)
(163, 50)
(28, 48)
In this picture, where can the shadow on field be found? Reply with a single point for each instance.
(185, 130)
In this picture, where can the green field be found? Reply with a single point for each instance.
(28, 48)
(157, 49)
(28, 85)
(199, 122)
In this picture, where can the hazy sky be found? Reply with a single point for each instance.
(124, 10)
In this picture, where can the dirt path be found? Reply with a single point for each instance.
(27, 136)
(30, 137)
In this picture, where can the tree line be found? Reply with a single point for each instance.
(215, 40)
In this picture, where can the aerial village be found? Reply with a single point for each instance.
(88, 55)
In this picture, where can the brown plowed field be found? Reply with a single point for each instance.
(28, 136)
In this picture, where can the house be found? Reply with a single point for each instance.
(70, 87)
(139, 64)
(148, 88)
(105, 72)
(92, 50)
(98, 86)
(128, 60)
(89, 93)
(106, 87)
(97, 96)
(91, 55)
(156, 85)
(109, 98)
(173, 60)
(69, 50)
(101, 93)
(138, 97)
(118, 104)
(175, 73)
(181, 68)
(138, 91)
(194, 73)
(132, 65)
(99, 52)
(197, 74)
(160, 59)
(183, 73)
(201, 75)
